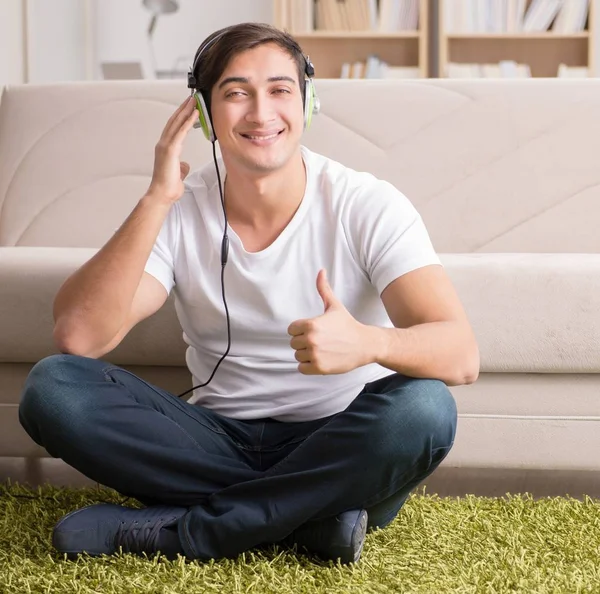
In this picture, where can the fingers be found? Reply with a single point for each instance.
(302, 356)
(302, 353)
(185, 127)
(301, 327)
(184, 169)
(180, 118)
(298, 342)
(308, 369)
(184, 119)
(174, 115)
(297, 328)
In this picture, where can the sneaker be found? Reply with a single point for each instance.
(105, 529)
(341, 537)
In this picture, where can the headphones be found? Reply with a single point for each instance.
(311, 101)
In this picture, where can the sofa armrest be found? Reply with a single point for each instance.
(30, 277)
(531, 313)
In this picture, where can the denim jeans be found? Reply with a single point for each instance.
(245, 483)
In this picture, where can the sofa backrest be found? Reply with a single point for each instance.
(492, 165)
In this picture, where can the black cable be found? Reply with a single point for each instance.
(224, 255)
(24, 496)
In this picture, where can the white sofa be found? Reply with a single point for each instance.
(505, 174)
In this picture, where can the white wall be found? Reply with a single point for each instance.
(11, 42)
(58, 49)
(42, 41)
(121, 25)
(120, 32)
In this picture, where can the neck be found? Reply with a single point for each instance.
(263, 199)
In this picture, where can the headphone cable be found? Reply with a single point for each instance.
(224, 256)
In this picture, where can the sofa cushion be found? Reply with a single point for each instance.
(532, 312)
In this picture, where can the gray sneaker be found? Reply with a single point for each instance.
(105, 529)
(341, 537)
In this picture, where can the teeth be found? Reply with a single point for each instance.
(262, 137)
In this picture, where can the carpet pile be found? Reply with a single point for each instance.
(436, 545)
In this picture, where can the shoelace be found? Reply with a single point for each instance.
(140, 537)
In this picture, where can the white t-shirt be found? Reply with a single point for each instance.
(362, 230)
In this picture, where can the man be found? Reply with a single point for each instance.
(322, 325)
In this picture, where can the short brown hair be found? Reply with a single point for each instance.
(226, 43)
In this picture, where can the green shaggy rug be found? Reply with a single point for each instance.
(436, 545)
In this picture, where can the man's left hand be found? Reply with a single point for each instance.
(334, 342)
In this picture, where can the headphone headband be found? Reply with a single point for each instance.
(201, 50)
(309, 68)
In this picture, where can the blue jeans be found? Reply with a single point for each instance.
(246, 483)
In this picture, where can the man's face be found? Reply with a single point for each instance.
(257, 109)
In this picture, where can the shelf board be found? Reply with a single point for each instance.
(513, 36)
(358, 34)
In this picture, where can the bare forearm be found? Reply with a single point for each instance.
(442, 350)
(93, 302)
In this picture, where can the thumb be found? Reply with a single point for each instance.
(325, 290)
(184, 169)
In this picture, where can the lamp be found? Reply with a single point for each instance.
(158, 7)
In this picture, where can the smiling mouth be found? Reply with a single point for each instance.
(262, 137)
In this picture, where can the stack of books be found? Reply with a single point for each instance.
(374, 67)
(508, 69)
(306, 16)
(513, 16)
(503, 69)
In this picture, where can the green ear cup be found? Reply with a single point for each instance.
(311, 103)
(203, 118)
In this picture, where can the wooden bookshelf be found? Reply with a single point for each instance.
(330, 49)
(542, 51)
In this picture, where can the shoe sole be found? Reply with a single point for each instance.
(357, 542)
